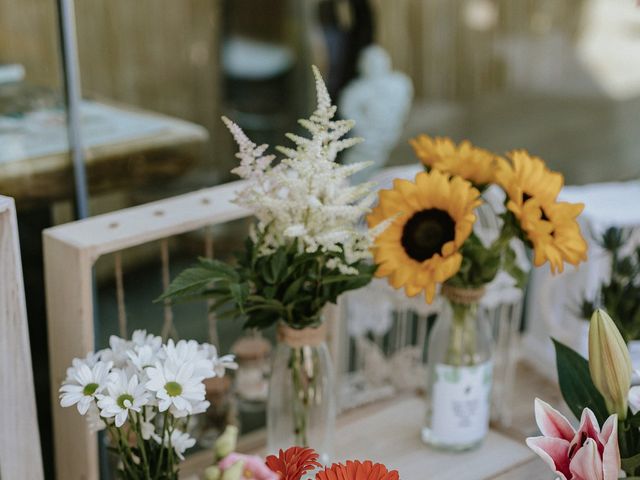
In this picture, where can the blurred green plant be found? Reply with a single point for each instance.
(620, 297)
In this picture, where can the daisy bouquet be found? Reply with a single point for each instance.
(305, 248)
(294, 463)
(143, 393)
(598, 391)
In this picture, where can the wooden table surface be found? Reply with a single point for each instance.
(146, 158)
(389, 432)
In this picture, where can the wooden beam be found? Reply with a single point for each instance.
(20, 455)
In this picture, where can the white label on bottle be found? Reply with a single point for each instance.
(461, 397)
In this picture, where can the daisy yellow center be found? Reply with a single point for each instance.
(90, 389)
(123, 398)
(173, 389)
(426, 232)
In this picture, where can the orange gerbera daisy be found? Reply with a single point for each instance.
(355, 470)
(293, 463)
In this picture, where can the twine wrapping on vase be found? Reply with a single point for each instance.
(305, 337)
(461, 295)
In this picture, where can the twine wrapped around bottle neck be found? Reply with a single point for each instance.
(305, 337)
(463, 296)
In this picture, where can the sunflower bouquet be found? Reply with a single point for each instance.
(435, 240)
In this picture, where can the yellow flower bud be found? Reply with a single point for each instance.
(609, 363)
(234, 472)
(226, 443)
(212, 473)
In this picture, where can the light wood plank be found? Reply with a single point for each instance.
(20, 455)
(153, 221)
(69, 295)
(532, 470)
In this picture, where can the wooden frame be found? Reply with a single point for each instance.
(20, 455)
(70, 251)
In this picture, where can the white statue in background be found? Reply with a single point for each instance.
(379, 101)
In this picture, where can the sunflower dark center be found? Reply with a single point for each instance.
(525, 197)
(426, 232)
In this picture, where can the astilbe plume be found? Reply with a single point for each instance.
(306, 197)
(293, 463)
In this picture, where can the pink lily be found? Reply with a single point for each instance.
(253, 467)
(586, 454)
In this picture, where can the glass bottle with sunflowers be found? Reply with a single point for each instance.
(435, 244)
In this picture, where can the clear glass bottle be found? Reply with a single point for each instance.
(301, 406)
(460, 376)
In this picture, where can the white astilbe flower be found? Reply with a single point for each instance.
(307, 196)
(83, 384)
(176, 387)
(125, 394)
(180, 442)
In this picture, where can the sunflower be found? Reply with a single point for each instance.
(551, 227)
(293, 463)
(471, 163)
(433, 217)
(564, 243)
(530, 186)
(355, 470)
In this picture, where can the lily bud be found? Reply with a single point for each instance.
(609, 363)
(235, 472)
(226, 443)
(212, 473)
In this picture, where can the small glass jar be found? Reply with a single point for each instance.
(253, 354)
(301, 409)
(460, 374)
(222, 411)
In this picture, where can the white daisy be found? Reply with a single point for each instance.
(148, 426)
(220, 364)
(83, 384)
(125, 395)
(117, 351)
(94, 420)
(180, 442)
(176, 387)
(141, 338)
(142, 357)
(90, 360)
(190, 352)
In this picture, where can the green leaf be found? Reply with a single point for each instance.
(576, 385)
(292, 290)
(190, 282)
